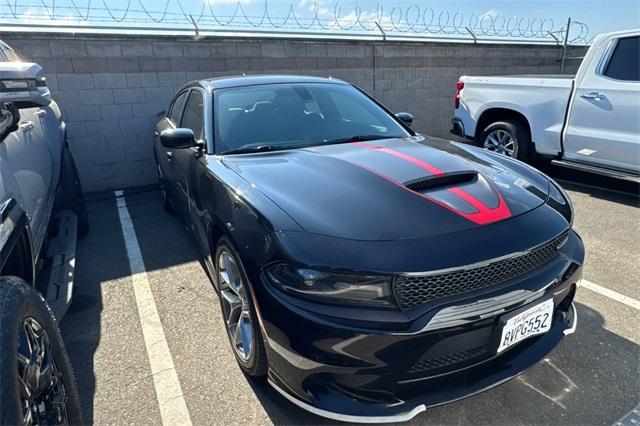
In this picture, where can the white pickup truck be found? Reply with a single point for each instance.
(590, 121)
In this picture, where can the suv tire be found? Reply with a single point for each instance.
(29, 337)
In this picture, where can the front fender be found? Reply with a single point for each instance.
(231, 206)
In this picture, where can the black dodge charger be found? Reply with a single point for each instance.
(368, 271)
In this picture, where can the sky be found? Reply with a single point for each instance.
(528, 17)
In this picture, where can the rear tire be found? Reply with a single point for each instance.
(33, 353)
(236, 301)
(72, 196)
(510, 138)
(164, 192)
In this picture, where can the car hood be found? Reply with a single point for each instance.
(393, 188)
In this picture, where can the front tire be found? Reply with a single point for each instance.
(238, 311)
(510, 138)
(37, 385)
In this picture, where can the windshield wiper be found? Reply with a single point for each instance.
(359, 138)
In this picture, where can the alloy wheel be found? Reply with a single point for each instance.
(235, 305)
(502, 142)
(42, 391)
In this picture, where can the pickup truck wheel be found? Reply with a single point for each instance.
(37, 385)
(508, 138)
(72, 197)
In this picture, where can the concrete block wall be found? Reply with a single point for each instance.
(111, 87)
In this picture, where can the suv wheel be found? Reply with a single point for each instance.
(37, 385)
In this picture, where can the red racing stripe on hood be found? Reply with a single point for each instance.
(424, 165)
(483, 215)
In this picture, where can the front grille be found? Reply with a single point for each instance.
(411, 291)
(447, 360)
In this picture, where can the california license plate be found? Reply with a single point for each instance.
(522, 325)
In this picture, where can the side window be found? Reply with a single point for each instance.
(193, 117)
(624, 63)
(176, 109)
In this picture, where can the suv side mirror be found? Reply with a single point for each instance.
(22, 84)
(177, 138)
(405, 117)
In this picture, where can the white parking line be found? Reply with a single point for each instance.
(621, 298)
(173, 408)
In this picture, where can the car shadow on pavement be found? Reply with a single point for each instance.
(590, 378)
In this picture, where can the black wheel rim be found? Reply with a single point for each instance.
(42, 391)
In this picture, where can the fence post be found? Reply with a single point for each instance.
(564, 46)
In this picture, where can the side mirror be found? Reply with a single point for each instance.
(405, 117)
(22, 84)
(177, 138)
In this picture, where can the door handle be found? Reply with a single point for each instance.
(593, 95)
(27, 126)
(169, 156)
(41, 113)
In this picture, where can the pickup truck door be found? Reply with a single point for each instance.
(603, 125)
(26, 165)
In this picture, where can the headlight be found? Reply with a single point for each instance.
(560, 201)
(331, 287)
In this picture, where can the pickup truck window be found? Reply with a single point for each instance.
(624, 63)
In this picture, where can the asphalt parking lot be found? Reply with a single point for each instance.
(592, 377)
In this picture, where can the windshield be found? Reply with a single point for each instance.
(284, 116)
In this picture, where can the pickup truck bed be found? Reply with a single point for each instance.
(587, 121)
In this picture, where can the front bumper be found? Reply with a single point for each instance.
(348, 369)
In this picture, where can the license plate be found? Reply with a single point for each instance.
(522, 325)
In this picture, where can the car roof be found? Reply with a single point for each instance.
(254, 80)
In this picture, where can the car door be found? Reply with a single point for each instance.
(186, 159)
(603, 126)
(26, 165)
(166, 156)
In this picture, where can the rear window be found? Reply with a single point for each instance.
(625, 60)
